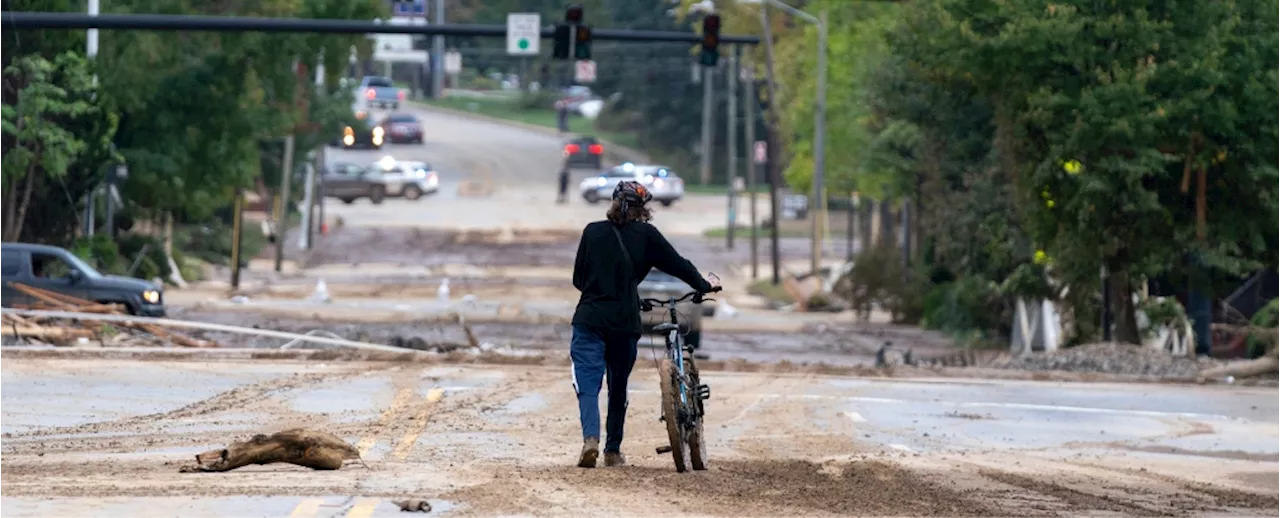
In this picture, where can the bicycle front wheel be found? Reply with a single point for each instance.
(669, 383)
(697, 439)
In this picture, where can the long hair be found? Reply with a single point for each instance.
(635, 212)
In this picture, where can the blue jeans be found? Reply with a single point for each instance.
(595, 353)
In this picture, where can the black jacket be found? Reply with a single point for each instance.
(609, 298)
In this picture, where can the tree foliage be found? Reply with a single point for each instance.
(55, 135)
(185, 111)
(1145, 97)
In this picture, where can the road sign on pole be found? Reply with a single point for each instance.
(584, 71)
(523, 31)
(761, 152)
(453, 62)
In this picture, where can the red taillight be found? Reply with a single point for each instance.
(433, 177)
(370, 94)
(596, 149)
(400, 95)
(572, 148)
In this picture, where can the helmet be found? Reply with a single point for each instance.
(632, 192)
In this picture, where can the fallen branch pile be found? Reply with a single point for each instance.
(59, 331)
(1265, 365)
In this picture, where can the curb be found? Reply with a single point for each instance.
(616, 153)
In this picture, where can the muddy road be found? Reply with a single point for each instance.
(482, 248)
(107, 437)
(817, 344)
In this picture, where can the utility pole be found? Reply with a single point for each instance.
(237, 232)
(749, 105)
(819, 146)
(308, 203)
(91, 38)
(282, 217)
(731, 135)
(708, 128)
(91, 50)
(437, 56)
(773, 140)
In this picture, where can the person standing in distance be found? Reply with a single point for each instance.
(563, 196)
(614, 255)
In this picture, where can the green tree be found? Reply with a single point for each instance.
(56, 136)
(1132, 94)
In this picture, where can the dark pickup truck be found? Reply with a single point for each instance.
(60, 271)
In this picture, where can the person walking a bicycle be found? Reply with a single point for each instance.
(614, 255)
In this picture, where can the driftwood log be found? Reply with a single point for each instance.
(315, 450)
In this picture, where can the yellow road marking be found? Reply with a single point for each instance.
(307, 508)
(419, 424)
(402, 398)
(363, 508)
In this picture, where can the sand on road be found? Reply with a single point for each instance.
(88, 437)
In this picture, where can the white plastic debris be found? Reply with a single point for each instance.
(239, 299)
(443, 292)
(321, 293)
(724, 311)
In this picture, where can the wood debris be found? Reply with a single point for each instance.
(64, 331)
(312, 449)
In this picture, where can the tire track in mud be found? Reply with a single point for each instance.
(1075, 499)
(116, 433)
(1194, 491)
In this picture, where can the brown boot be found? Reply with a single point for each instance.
(590, 450)
(614, 458)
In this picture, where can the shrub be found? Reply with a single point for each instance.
(147, 252)
(540, 100)
(100, 251)
(1267, 317)
(878, 279)
(968, 304)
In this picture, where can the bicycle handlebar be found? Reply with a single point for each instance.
(697, 297)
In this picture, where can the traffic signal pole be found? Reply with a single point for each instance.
(166, 22)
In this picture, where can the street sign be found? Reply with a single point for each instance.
(523, 31)
(761, 152)
(409, 8)
(453, 62)
(584, 71)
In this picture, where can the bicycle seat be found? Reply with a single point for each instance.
(665, 326)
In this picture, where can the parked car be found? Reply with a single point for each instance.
(661, 285)
(364, 134)
(60, 271)
(583, 152)
(380, 92)
(402, 128)
(387, 178)
(662, 182)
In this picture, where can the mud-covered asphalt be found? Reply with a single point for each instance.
(818, 344)
(433, 247)
(106, 437)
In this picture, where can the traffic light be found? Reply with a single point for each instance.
(573, 14)
(582, 45)
(560, 42)
(565, 39)
(710, 40)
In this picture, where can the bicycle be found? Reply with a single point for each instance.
(683, 392)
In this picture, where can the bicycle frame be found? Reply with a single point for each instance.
(675, 349)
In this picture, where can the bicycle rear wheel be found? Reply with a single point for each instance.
(697, 440)
(668, 382)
